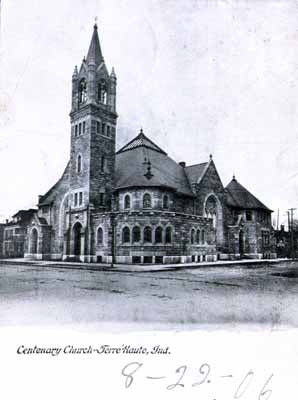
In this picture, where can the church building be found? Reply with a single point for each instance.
(138, 205)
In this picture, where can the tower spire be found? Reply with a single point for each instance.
(94, 52)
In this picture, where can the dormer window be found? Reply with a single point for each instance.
(82, 91)
(102, 92)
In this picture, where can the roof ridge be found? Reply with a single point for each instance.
(195, 165)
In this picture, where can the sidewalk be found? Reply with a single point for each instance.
(143, 267)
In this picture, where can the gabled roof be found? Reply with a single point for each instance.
(24, 213)
(141, 155)
(196, 172)
(239, 197)
(94, 52)
(141, 141)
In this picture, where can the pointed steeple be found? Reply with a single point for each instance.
(94, 52)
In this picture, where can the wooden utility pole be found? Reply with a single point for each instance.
(291, 222)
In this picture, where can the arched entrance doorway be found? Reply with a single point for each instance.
(77, 231)
(33, 241)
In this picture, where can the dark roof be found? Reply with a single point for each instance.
(132, 166)
(239, 197)
(141, 141)
(195, 172)
(25, 214)
(94, 52)
(42, 221)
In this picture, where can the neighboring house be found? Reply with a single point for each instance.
(249, 224)
(137, 205)
(15, 232)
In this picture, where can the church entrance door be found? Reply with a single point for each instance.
(33, 241)
(77, 230)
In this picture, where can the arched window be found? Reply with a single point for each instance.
(146, 200)
(148, 235)
(102, 163)
(79, 164)
(192, 236)
(165, 201)
(136, 234)
(99, 236)
(198, 238)
(102, 92)
(211, 209)
(126, 235)
(169, 235)
(82, 91)
(203, 236)
(127, 201)
(158, 234)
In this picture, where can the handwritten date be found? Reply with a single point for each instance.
(132, 370)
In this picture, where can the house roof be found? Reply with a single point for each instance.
(25, 215)
(238, 196)
(140, 157)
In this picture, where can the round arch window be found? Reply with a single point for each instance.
(126, 235)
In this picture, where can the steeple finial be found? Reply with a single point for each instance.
(95, 23)
(94, 52)
(141, 131)
(234, 176)
(210, 157)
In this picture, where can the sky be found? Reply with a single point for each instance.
(200, 77)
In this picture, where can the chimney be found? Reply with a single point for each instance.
(182, 163)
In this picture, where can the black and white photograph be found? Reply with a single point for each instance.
(149, 202)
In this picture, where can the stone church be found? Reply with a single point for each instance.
(138, 205)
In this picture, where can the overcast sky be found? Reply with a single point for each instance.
(200, 77)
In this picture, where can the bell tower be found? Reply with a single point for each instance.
(93, 131)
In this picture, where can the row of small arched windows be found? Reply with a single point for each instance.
(197, 236)
(101, 91)
(157, 236)
(161, 235)
(147, 201)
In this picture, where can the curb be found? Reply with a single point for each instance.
(145, 268)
